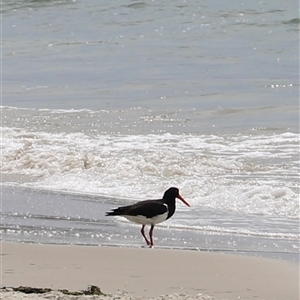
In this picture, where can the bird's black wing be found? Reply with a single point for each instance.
(147, 208)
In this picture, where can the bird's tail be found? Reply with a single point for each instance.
(115, 212)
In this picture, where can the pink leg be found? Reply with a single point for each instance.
(143, 234)
(151, 235)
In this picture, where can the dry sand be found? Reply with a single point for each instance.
(141, 273)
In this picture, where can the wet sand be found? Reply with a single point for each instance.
(144, 273)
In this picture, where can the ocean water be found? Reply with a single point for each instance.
(104, 104)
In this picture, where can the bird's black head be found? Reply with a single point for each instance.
(173, 193)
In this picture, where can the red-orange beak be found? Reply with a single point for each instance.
(179, 197)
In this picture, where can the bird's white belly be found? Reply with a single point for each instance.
(147, 221)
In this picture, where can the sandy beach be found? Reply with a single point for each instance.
(144, 273)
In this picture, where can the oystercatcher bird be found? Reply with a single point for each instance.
(150, 212)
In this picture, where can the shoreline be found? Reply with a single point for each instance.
(145, 273)
(268, 254)
(80, 220)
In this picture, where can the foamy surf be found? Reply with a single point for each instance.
(255, 173)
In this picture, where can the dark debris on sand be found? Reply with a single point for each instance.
(91, 290)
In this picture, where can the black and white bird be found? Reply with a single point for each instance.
(150, 212)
